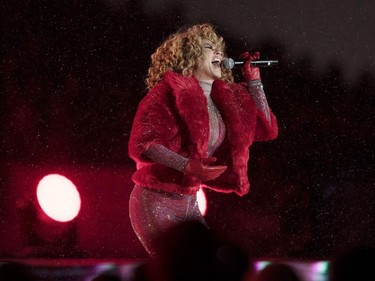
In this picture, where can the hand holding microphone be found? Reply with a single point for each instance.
(248, 61)
(250, 73)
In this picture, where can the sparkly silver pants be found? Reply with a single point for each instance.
(152, 212)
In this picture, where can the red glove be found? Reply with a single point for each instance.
(200, 169)
(250, 73)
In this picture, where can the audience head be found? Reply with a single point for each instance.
(15, 271)
(354, 264)
(277, 272)
(190, 251)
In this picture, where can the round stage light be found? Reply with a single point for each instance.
(58, 197)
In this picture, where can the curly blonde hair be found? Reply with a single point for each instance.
(181, 53)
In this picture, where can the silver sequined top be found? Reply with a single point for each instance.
(217, 128)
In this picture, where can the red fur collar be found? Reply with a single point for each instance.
(238, 110)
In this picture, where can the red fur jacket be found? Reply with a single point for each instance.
(174, 114)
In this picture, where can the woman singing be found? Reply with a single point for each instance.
(193, 130)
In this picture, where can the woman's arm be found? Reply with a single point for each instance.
(255, 88)
(196, 167)
(162, 155)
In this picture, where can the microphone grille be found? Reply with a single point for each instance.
(228, 63)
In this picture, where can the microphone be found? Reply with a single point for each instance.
(229, 63)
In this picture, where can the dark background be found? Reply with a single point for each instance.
(72, 74)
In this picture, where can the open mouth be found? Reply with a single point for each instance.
(216, 63)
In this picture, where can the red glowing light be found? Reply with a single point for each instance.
(202, 201)
(58, 197)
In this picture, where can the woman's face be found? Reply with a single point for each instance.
(209, 68)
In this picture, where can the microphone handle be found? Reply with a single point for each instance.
(229, 63)
(258, 63)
